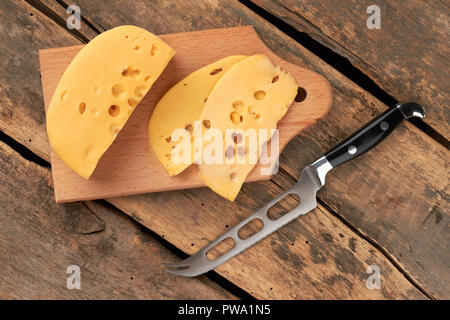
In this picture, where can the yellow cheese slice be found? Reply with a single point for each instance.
(253, 94)
(180, 107)
(98, 92)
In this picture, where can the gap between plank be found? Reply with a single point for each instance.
(343, 65)
(334, 59)
(363, 236)
(86, 21)
(49, 13)
(30, 156)
(23, 150)
(212, 275)
(383, 251)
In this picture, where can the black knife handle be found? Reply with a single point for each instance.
(373, 133)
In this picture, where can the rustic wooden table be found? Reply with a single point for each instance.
(388, 208)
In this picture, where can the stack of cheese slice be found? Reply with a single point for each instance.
(180, 107)
(226, 99)
(98, 92)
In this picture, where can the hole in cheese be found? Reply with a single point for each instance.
(82, 107)
(238, 106)
(221, 248)
(95, 112)
(275, 79)
(114, 110)
(96, 89)
(118, 91)
(135, 73)
(229, 152)
(237, 137)
(114, 128)
(189, 128)
(260, 94)
(253, 112)
(215, 71)
(132, 102)
(126, 72)
(136, 48)
(147, 78)
(87, 150)
(63, 95)
(250, 228)
(130, 72)
(285, 205)
(241, 151)
(207, 124)
(154, 50)
(235, 117)
(139, 91)
(301, 95)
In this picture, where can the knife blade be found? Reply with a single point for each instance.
(311, 180)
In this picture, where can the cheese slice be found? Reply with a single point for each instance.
(180, 107)
(253, 94)
(98, 92)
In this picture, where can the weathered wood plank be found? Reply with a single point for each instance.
(396, 194)
(352, 108)
(253, 195)
(24, 30)
(408, 57)
(314, 257)
(39, 240)
(60, 13)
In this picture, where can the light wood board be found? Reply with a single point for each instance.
(129, 166)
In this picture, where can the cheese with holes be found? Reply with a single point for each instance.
(180, 107)
(98, 92)
(253, 94)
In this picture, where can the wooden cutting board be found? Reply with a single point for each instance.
(130, 166)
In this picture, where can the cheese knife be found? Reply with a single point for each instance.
(311, 180)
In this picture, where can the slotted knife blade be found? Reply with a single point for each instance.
(311, 180)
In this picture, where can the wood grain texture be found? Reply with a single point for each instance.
(408, 57)
(116, 258)
(352, 107)
(314, 257)
(419, 160)
(130, 166)
(59, 12)
(24, 30)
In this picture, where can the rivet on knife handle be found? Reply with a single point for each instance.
(373, 133)
(311, 180)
